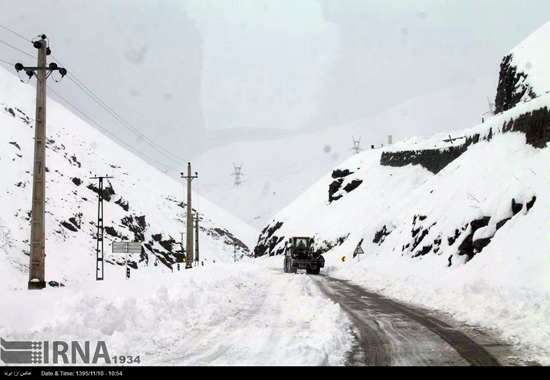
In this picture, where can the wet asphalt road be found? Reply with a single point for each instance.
(392, 333)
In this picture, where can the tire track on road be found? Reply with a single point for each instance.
(391, 333)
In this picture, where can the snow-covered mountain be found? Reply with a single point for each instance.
(277, 171)
(524, 71)
(140, 202)
(458, 224)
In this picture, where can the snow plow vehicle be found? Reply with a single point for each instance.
(300, 254)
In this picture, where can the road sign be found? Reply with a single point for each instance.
(358, 250)
(127, 247)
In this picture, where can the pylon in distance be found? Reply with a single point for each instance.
(237, 174)
(356, 148)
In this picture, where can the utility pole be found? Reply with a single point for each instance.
(99, 273)
(38, 213)
(234, 252)
(197, 239)
(237, 174)
(356, 143)
(189, 255)
(182, 248)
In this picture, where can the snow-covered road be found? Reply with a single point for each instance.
(282, 321)
(393, 333)
(248, 313)
(221, 314)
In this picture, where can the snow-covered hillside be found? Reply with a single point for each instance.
(460, 226)
(140, 203)
(277, 171)
(524, 71)
(529, 58)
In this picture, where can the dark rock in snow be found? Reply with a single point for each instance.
(123, 203)
(479, 244)
(451, 240)
(511, 86)
(353, 185)
(341, 173)
(333, 188)
(516, 207)
(380, 236)
(69, 226)
(531, 203)
(502, 223)
(467, 246)
(15, 144)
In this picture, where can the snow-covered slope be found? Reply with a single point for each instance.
(277, 171)
(524, 71)
(472, 239)
(529, 58)
(141, 203)
(457, 225)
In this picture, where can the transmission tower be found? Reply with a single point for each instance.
(356, 148)
(237, 174)
(99, 272)
(38, 228)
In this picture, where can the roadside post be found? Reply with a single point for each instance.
(127, 247)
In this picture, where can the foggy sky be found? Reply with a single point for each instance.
(182, 73)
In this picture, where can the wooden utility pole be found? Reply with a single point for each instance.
(38, 213)
(189, 255)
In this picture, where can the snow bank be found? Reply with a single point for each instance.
(223, 314)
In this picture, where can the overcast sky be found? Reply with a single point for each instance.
(182, 72)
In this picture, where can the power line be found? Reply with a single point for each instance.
(9, 30)
(11, 64)
(119, 118)
(13, 47)
(100, 126)
(123, 122)
(116, 137)
(102, 104)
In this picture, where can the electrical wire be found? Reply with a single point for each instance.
(101, 127)
(108, 109)
(123, 122)
(119, 118)
(102, 104)
(116, 137)
(11, 64)
(9, 30)
(13, 47)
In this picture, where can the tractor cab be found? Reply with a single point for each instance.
(300, 254)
